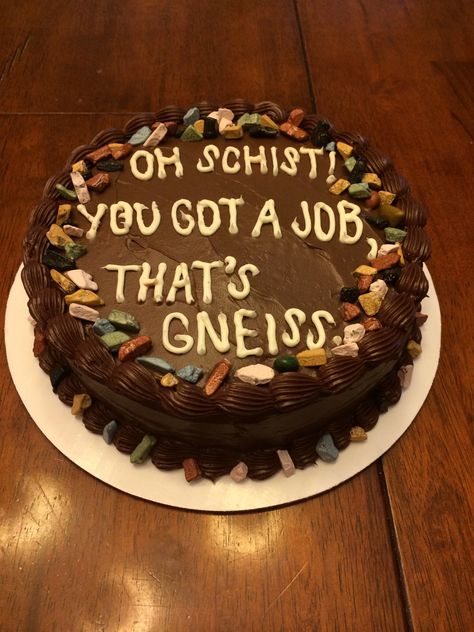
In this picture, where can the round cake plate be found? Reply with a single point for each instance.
(103, 461)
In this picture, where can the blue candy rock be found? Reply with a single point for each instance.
(102, 326)
(190, 373)
(140, 136)
(156, 364)
(326, 450)
(191, 116)
(108, 433)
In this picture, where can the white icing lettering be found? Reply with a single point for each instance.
(181, 281)
(235, 168)
(156, 218)
(351, 217)
(230, 263)
(273, 152)
(259, 159)
(182, 230)
(293, 339)
(312, 152)
(205, 229)
(206, 268)
(164, 161)
(232, 204)
(316, 318)
(245, 291)
(293, 157)
(185, 338)
(295, 227)
(124, 212)
(142, 175)
(267, 215)
(318, 228)
(373, 247)
(121, 271)
(204, 325)
(93, 219)
(242, 332)
(208, 150)
(332, 163)
(271, 334)
(146, 282)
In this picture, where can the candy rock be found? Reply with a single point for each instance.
(405, 375)
(74, 251)
(359, 191)
(353, 333)
(393, 235)
(344, 149)
(124, 320)
(83, 312)
(190, 373)
(143, 449)
(191, 134)
(64, 283)
(191, 469)
(102, 326)
(108, 433)
(84, 297)
(82, 279)
(72, 231)
(286, 462)
(339, 186)
(413, 348)
(326, 450)
(80, 187)
(358, 434)
(67, 194)
(191, 116)
(80, 402)
(140, 136)
(216, 376)
(99, 154)
(373, 180)
(64, 211)
(156, 364)
(57, 237)
(371, 303)
(349, 349)
(286, 364)
(156, 136)
(379, 287)
(168, 380)
(312, 357)
(239, 472)
(131, 349)
(114, 340)
(255, 374)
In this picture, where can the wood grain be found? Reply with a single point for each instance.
(390, 549)
(414, 95)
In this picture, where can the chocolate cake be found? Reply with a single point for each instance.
(229, 290)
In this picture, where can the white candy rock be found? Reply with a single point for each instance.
(379, 287)
(350, 350)
(353, 333)
(82, 279)
(255, 374)
(239, 472)
(83, 312)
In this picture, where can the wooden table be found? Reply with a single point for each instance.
(388, 550)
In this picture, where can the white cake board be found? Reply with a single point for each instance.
(103, 461)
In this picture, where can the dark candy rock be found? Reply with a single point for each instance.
(320, 136)
(58, 260)
(349, 294)
(109, 164)
(375, 220)
(286, 363)
(259, 131)
(391, 276)
(56, 374)
(211, 128)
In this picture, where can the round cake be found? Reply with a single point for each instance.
(231, 290)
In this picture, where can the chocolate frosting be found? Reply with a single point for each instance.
(294, 409)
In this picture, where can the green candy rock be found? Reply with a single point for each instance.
(143, 449)
(392, 214)
(114, 340)
(124, 320)
(350, 163)
(191, 134)
(286, 363)
(74, 251)
(393, 235)
(359, 191)
(68, 194)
